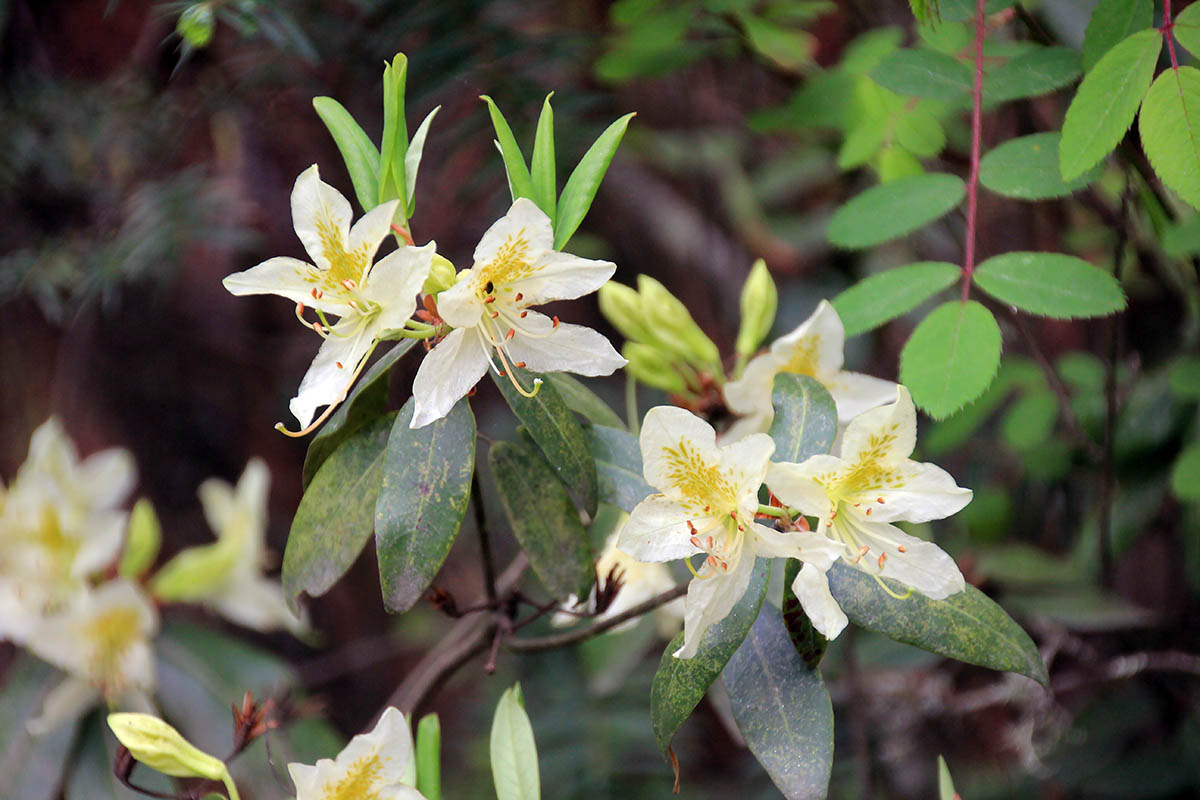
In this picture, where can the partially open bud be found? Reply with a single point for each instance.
(666, 314)
(142, 540)
(159, 746)
(196, 25)
(622, 306)
(197, 572)
(652, 367)
(758, 303)
(441, 276)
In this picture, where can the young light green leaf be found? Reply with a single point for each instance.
(920, 132)
(429, 757)
(412, 160)
(918, 72)
(782, 709)
(924, 11)
(582, 400)
(1185, 474)
(336, 514)
(543, 519)
(891, 210)
(577, 195)
(552, 426)
(542, 166)
(789, 49)
(805, 418)
(1050, 284)
(514, 751)
(1031, 74)
(966, 626)
(886, 295)
(393, 145)
(618, 467)
(422, 499)
(680, 683)
(951, 357)
(1170, 129)
(1112, 22)
(945, 782)
(143, 539)
(360, 155)
(1106, 102)
(1027, 168)
(514, 162)
(1187, 28)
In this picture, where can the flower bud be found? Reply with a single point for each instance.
(197, 572)
(673, 326)
(441, 276)
(159, 746)
(758, 303)
(622, 307)
(142, 540)
(652, 367)
(196, 25)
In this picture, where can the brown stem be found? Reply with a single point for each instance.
(533, 645)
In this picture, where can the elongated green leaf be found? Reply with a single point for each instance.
(360, 155)
(951, 357)
(894, 209)
(618, 467)
(966, 626)
(428, 755)
(918, 72)
(782, 709)
(412, 160)
(31, 768)
(366, 401)
(1031, 74)
(1106, 102)
(1185, 474)
(393, 146)
(577, 195)
(809, 642)
(514, 162)
(422, 499)
(560, 438)
(1187, 28)
(583, 400)
(544, 520)
(514, 750)
(1050, 284)
(1027, 168)
(336, 514)
(541, 165)
(805, 418)
(945, 782)
(680, 683)
(886, 295)
(1111, 22)
(1170, 129)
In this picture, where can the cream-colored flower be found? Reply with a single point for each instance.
(373, 765)
(707, 504)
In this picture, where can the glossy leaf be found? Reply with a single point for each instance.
(366, 401)
(31, 768)
(583, 400)
(782, 709)
(1037, 72)
(918, 72)
(1027, 168)
(577, 195)
(618, 467)
(809, 642)
(359, 153)
(681, 683)
(1170, 129)
(951, 357)
(542, 166)
(806, 418)
(543, 519)
(1050, 284)
(891, 210)
(423, 495)
(514, 750)
(1111, 22)
(551, 425)
(336, 514)
(1187, 28)
(1106, 102)
(412, 160)
(519, 181)
(882, 297)
(1185, 474)
(393, 146)
(967, 626)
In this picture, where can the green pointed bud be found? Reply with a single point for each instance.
(759, 301)
(196, 25)
(159, 746)
(441, 276)
(622, 306)
(652, 367)
(428, 760)
(196, 572)
(142, 541)
(673, 326)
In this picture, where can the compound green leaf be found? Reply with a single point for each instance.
(967, 626)
(782, 709)
(357, 149)
(918, 72)
(1170, 129)
(1027, 168)
(514, 750)
(422, 499)
(519, 181)
(1187, 28)
(680, 683)
(1112, 22)
(1037, 72)
(805, 418)
(886, 295)
(618, 467)
(894, 209)
(1106, 102)
(1050, 284)
(951, 357)
(577, 195)
(542, 166)
(582, 400)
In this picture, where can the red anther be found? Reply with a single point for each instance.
(882, 558)
(511, 333)
(316, 326)
(692, 528)
(725, 566)
(314, 293)
(520, 364)
(320, 294)
(902, 548)
(828, 523)
(868, 512)
(352, 304)
(299, 308)
(741, 527)
(502, 373)
(471, 393)
(524, 314)
(862, 551)
(710, 542)
(733, 514)
(491, 298)
(349, 284)
(833, 515)
(518, 298)
(878, 499)
(802, 524)
(430, 304)
(706, 508)
(495, 314)
(339, 365)
(856, 505)
(556, 320)
(712, 561)
(695, 540)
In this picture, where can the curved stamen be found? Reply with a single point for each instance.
(362, 362)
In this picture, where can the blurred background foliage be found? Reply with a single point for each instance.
(150, 150)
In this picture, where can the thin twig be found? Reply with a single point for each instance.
(485, 543)
(532, 645)
(976, 137)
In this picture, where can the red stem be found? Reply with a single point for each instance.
(1167, 25)
(976, 131)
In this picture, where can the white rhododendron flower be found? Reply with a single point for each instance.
(373, 765)
(858, 495)
(515, 267)
(102, 641)
(370, 300)
(708, 501)
(813, 349)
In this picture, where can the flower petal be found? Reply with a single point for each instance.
(257, 603)
(306, 780)
(751, 393)
(746, 461)
(922, 565)
(525, 225)
(882, 435)
(459, 305)
(395, 281)
(856, 393)
(797, 485)
(67, 701)
(665, 430)
(290, 278)
(369, 232)
(709, 600)
(814, 348)
(916, 492)
(321, 216)
(812, 548)
(106, 478)
(811, 588)
(562, 276)
(380, 755)
(657, 530)
(567, 348)
(447, 373)
(326, 382)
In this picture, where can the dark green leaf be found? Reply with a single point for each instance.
(680, 683)
(1027, 168)
(805, 418)
(782, 709)
(422, 499)
(967, 626)
(618, 467)
(1112, 22)
(951, 357)
(542, 167)
(550, 423)
(31, 768)
(918, 72)
(1185, 378)
(886, 295)
(1050, 284)
(577, 195)
(809, 642)
(1168, 127)
(544, 520)
(359, 153)
(583, 400)
(894, 209)
(336, 514)
(1031, 74)
(519, 181)
(366, 401)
